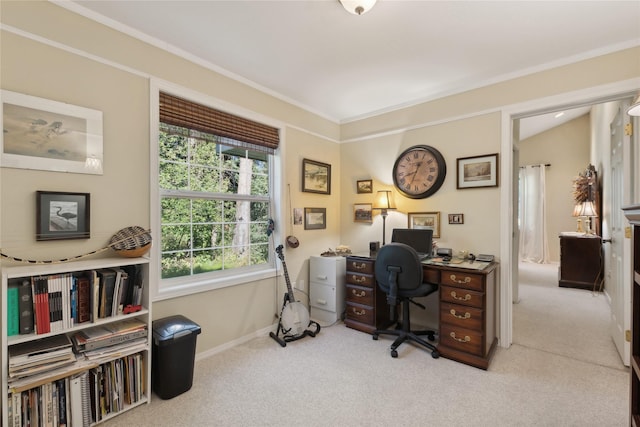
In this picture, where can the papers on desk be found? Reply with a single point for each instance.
(457, 263)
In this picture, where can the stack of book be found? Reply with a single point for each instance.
(111, 339)
(36, 357)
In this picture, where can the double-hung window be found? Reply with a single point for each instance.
(215, 192)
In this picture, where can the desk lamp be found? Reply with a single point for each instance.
(576, 213)
(589, 211)
(384, 202)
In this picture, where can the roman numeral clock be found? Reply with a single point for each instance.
(419, 171)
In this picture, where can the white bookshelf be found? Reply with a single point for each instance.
(27, 271)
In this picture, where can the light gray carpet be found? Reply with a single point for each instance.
(343, 377)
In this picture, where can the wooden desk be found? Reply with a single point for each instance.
(467, 305)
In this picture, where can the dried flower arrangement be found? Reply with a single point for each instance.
(583, 185)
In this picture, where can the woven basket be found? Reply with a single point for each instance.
(131, 242)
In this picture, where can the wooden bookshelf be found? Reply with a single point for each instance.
(133, 368)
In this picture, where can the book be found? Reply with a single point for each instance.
(84, 299)
(25, 295)
(13, 309)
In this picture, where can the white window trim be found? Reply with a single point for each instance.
(172, 288)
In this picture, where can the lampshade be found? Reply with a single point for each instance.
(577, 209)
(384, 200)
(588, 209)
(634, 109)
(358, 7)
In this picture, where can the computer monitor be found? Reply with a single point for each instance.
(420, 239)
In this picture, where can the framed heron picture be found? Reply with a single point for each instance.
(62, 215)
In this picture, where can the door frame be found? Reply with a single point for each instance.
(583, 97)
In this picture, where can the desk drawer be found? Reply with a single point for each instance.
(463, 280)
(461, 296)
(357, 265)
(462, 339)
(360, 295)
(322, 296)
(360, 313)
(360, 279)
(461, 316)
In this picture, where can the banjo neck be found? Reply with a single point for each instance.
(286, 273)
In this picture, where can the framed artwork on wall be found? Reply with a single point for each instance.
(362, 212)
(316, 177)
(429, 220)
(477, 171)
(364, 186)
(456, 218)
(315, 218)
(49, 135)
(61, 216)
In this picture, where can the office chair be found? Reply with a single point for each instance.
(398, 272)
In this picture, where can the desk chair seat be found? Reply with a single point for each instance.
(398, 272)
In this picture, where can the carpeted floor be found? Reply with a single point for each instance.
(343, 377)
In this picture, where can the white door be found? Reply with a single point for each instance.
(617, 280)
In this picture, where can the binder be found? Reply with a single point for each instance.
(13, 310)
(26, 307)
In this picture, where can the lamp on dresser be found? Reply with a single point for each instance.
(589, 211)
(576, 213)
(384, 202)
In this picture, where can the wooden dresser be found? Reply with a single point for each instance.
(581, 261)
(467, 313)
(633, 215)
(366, 304)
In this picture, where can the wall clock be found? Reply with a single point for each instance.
(419, 171)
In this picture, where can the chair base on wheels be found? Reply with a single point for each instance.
(404, 333)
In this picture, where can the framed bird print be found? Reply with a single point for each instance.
(62, 215)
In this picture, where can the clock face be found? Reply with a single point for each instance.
(419, 171)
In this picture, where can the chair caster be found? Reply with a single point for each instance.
(435, 354)
(431, 337)
(375, 337)
(394, 353)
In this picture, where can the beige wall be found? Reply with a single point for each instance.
(77, 61)
(567, 149)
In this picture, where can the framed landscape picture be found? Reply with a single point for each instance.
(316, 177)
(49, 135)
(315, 218)
(62, 215)
(362, 212)
(477, 171)
(364, 186)
(428, 220)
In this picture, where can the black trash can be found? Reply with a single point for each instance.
(174, 350)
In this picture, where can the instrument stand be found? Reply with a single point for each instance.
(288, 338)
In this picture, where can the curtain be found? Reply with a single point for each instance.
(532, 215)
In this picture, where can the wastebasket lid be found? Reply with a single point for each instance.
(173, 327)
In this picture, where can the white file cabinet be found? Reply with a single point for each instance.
(326, 288)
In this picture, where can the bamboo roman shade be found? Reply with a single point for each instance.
(187, 114)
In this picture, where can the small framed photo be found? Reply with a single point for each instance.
(49, 135)
(62, 216)
(477, 171)
(315, 218)
(429, 220)
(316, 177)
(364, 186)
(456, 218)
(362, 212)
(297, 216)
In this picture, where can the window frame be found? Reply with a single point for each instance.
(181, 286)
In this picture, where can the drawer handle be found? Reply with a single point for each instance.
(466, 279)
(466, 338)
(321, 277)
(466, 315)
(467, 297)
(358, 294)
(359, 279)
(359, 313)
(360, 266)
(322, 301)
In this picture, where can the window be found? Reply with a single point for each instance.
(215, 191)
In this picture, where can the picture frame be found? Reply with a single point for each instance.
(364, 186)
(62, 216)
(49, 135)
(477, 171)
(363, 212)
(428, 220)
(315, 218)
(316, 177)
(456, 218)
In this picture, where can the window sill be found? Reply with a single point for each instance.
(190, 286)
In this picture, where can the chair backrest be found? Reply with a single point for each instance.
(400, 263)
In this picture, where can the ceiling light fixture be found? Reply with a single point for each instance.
(634, 110)
(358, 7)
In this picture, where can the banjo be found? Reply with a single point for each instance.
(294, 316)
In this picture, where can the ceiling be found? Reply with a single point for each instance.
(344, 67)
